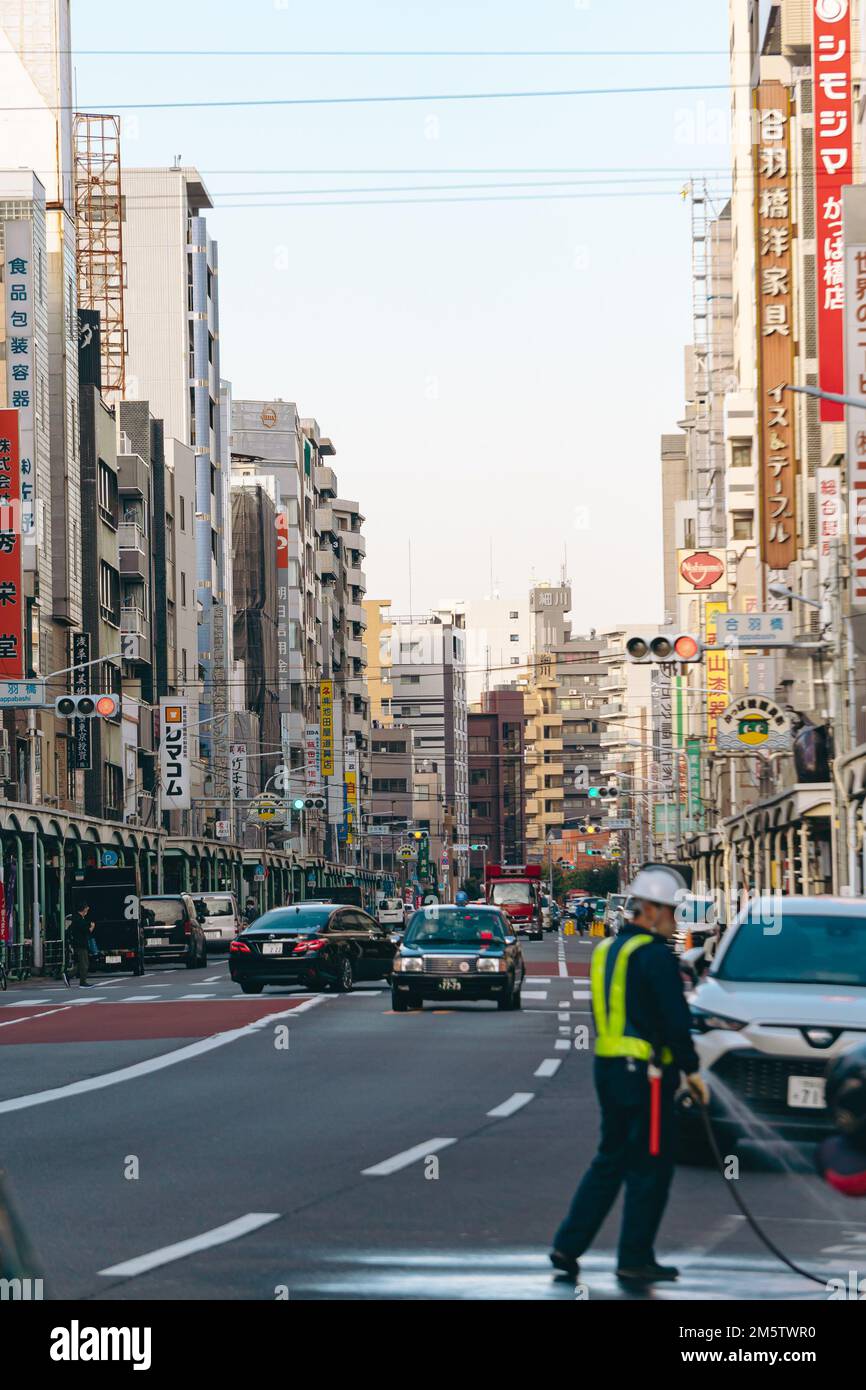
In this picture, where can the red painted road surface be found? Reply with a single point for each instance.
(80, 1023)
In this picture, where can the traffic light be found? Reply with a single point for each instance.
(610, 792)
(665, 646)
(87, 706)
(420, 835)
(314, 803)
(298, 803)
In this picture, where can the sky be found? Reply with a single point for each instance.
(491, 331)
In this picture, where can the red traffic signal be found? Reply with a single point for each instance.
(665, 646)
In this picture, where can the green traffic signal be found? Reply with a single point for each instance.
(298, 803)
(595, 791)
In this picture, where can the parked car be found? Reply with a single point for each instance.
(784, 995)
(172, 930)
(222, 921)
(458, 953)
(317, 945)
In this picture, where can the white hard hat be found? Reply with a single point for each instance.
(656, 883)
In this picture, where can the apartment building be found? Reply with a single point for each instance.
(498, 642)
(497, 779)
(377, 640)
(173, 361)
(429, 694)
(544, 761)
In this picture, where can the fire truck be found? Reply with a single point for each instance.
(516, 889)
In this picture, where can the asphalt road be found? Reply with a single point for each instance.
(170, 1138)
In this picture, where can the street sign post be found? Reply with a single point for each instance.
(22, 694)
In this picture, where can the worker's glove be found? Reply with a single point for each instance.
(698, 1088)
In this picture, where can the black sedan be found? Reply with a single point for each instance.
(316, 945)
(457, 953)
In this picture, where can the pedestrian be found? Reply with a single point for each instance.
(251, 909)
(82, 928)
(642, 1022)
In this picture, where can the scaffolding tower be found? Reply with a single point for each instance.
(99, 240)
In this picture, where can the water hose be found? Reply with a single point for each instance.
(687, 1102)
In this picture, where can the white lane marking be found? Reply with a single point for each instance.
(581, 994)
(565, 1016)
(212, 979)
(25, 1003)
(220, 1235)
(168, 1059)
(534, 993)
(28, 1018)
(566, 1028)
(562, 1045)
(549, 1067)
(189, 996)
(540, 979)
(560, 952)
(402, 1160)
(140, 999)
(513, 1103)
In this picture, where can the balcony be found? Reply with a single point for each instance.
(356, 577)
(133, 621)
(133, 554)
(325, 480)
(355, 614)
(325, 524)
(327, 564)
(355, 650)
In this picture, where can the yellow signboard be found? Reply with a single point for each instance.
(326, 719)
(717, 669)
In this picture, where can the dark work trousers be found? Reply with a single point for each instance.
(624, 1158)
(82, 961)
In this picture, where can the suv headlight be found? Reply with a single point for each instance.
(408, 963)
(489, 964)
(704, 1021)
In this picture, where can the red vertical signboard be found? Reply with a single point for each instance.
(11, 577)
(831, 69)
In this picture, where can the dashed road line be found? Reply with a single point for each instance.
(219, 1235)
(549, 1067)
(562, 1045)
(404, 1159)
(534, 993)
(511, 1105)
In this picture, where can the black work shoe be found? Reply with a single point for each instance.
(85, 984)
(565, 1264)
(647, 1274)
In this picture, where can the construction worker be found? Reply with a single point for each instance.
(642, 1032)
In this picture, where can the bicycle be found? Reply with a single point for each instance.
(64, 969)
(21, 970)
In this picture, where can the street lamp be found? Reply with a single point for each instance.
(780, 590)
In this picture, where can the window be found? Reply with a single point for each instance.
(410, 680)
(515, 661)
(410, 711)
(514, 616)
(106, 483)
(479, 777)
(112, 786)
(182, 513)
(398, 785)
(109, 592)
(479, 744)
(182, 589)
(480, 810)
(741, 453)
(741, 526)
(382, 746)
(420, 792)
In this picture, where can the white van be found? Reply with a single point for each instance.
(223, 920)
(389, 912)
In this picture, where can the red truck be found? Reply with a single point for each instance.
(516, 889)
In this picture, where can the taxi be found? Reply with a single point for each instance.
(456, 953)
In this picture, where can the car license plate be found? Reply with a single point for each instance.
(212, 931)
(112, 960)
(806, 1092)
(454, 985)
(157, 941)
(272, 948)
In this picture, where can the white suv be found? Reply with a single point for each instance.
(785, 994)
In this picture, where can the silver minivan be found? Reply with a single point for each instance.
(389, 912)
(223, 921)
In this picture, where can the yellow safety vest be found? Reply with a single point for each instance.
(608, 1007)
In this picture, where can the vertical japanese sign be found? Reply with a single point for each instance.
(238, 771)
(12, 606)
(80, 746)
(312, 760)
(326, 717)
(774, 293)
(21, 366)
(831, 68)
(717, 669)
(174, 754)
(662, 716)
(283, 675)
(350, 780)
(828, 498)
(855, 385)
(693, 771)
